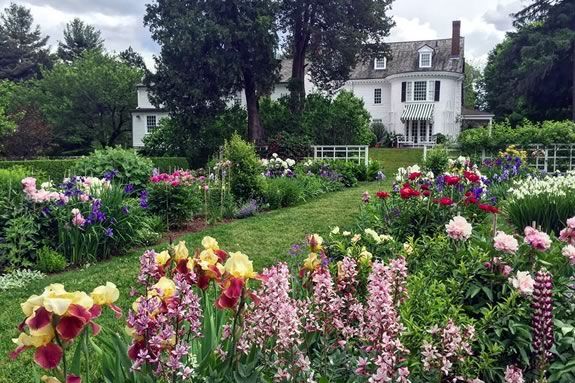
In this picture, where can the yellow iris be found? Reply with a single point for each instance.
(210, 243)
(166, 286)
(240, 266)
(105, 295)
(312, 262)
(181, 251)
(208, 258)
(162, 258)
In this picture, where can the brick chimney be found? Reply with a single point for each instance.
(455, 37)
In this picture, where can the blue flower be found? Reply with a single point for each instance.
(144, 199)
(129, 188)
(108, 232)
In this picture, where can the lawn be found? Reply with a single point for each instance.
(266, 238)
(393, 158)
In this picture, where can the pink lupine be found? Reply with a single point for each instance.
(382, 333)
(513, 374)
(542, 318)
(538, 240)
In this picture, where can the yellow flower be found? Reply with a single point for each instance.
(49, 379)
(37, 338)
(57, 300)
(162, 258)
(166, 286)
(208, 258)
(58, 306)
(210, 243)
(355, 238)
(407, 248)
(240, 266)
(365, 257)
(340, 272)
(32, 304)
(105, 295)
(181, 251)
(312, 262)
(315, 242)
(190, 264)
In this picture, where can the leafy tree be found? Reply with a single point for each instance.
(132, 58)
(7, 124)
(88, 102)
(332, 37)
(471, 85)
(32, 137)
(23, 49)
(211, 50)
(530, 74)
(79, 38)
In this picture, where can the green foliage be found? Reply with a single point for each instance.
(88, 101)
(246, 178)
(528, 133)
(10, 179)
(23, 49)
(55, 170)
(437, 160)
(350, 121)
(7, 124)
(79, 38)
(283, 192)
(288, 145)
(50, 261)
(529, 74)
(169, 164)
(473, 79)
(130, 166)
(175, 204)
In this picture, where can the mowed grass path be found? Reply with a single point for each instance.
(266, 238)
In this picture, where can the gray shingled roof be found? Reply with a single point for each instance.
(405, 58)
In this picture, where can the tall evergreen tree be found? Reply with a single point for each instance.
(79, 38)
(23, 49)
(211, 50)
(132, 58)
(331, 37)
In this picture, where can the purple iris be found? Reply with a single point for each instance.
(144, 199)
(110, 174)
(108, 232)
(128, 189)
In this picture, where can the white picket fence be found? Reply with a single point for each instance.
(547, 158)
(359, 153)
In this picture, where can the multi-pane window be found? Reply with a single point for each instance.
(377, 96)
(419, 90)
(425, 60)
(380, 63)
(151, 123)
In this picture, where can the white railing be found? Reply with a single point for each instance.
(547, 158)
(359, 153)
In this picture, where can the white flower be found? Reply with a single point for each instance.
(290, 162)
(523, 282)
(355, 238)
(335, 230)
(373, 234)
(346, 233)
(275, 155)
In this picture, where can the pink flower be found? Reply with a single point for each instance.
(505, 243)
(569, 252)
(458, 228)
(571, 223)
(538, 240)
(77, 218)
(84, 197)
(523, 282)
(568, 234)
(513, 374)
(29, 184)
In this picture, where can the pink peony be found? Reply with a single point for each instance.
(569, 252)
(538, 240)
(77, 218)
(568, 234)
(571, 223)
(523, 282)
(29, 184)
(513, 374)
(505, 243)
(458, 228)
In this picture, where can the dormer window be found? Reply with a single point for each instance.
(425, 56)
(380, 63)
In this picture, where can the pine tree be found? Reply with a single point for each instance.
(132, 58)
(23, 49)
(79, 38)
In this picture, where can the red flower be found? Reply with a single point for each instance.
(382, 195)
(231, 293)
(451, 180)
(446, 201)
(426, 193)
(414, 175)
(424, 187)
(470, 198)
(488, 208)
(48, 356)
(471, 176)
(408, 192)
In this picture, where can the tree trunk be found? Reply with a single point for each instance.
(296, 84)
(255, 130)
(573, 83)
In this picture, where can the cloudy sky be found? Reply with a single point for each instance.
(484, 22)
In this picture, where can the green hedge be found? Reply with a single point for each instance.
(57, 169)
(503, 134)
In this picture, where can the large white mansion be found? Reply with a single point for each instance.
(417, 92)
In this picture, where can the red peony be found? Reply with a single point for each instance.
(488, 208)
(451, 180)
(414, 175)
(471, 176)
(446, 201)
(408, 192)
(382, 195)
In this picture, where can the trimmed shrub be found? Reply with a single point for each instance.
(50, 261)
(126, 164)
(10, 178)
(437, 160)
(56, 169)
(246, 178)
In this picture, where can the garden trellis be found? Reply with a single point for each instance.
(359, 153)
(547, 158)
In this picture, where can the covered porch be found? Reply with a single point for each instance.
(417, 119)
(473, 118)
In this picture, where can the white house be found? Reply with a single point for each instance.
(146, 117)
(417, 92)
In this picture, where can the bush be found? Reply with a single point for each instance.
(169, 164)
(246, 178)
(437, 160)
(50, 261)
(10, 179)
(56, 169)
(350, 121)
(288, 145)
(128, 166)
(177, 204)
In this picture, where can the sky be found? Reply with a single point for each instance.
(483, 22)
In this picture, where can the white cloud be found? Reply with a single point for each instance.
(412, 29)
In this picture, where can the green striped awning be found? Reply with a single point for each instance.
(418, 111)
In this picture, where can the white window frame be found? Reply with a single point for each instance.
(425, 95)
(148, 126)
(429, 91)
(377, 63)
(376, 95)
(377, 121)
(421, 56)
